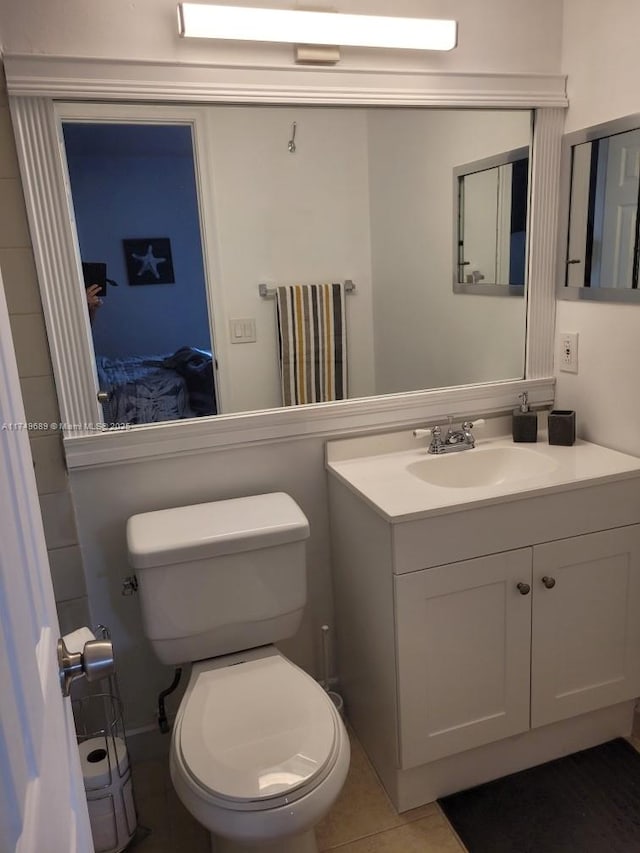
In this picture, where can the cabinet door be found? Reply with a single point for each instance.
(463, 634)
(586, 624)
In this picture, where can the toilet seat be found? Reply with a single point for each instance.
(254, 735)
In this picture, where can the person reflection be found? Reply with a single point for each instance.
(93, 300)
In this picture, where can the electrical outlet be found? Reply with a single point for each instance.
(569, 352)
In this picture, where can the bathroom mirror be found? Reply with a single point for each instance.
(600, 236)
(365, 195)
(491, 199)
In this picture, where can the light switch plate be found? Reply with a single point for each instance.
(242, 330)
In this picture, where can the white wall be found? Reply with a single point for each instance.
(284, 218)
(600, 56)
(495, 35)
(413, 154)
(120, 197)
(36, 382)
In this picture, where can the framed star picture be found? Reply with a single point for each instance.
(149, 260)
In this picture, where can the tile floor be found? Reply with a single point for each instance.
(362, 820)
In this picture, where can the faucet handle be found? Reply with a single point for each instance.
(436, 438)
(435, 431)
(472, 424)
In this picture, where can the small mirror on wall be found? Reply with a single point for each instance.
(599, 231)
(490, 227)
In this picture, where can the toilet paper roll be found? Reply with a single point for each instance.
(76, 639)
(104, 760)
(112, 816)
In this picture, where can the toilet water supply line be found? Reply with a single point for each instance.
(130, 587)
(163, 723)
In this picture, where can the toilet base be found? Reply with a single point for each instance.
(305, 843)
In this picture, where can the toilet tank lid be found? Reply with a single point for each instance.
(212, 529)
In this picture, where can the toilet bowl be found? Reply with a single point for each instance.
(259, 752)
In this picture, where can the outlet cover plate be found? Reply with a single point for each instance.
(569, 352)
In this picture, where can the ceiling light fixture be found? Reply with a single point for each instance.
(197, 20)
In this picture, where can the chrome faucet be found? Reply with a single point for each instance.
(455, 439)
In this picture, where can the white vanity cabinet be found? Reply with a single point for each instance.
(585, 632)
(490, 632)
(463, 641)
(489, 647)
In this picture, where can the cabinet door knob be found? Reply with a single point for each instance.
(549, 582)
(524, 588)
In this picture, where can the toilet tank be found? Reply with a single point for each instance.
(220, 577)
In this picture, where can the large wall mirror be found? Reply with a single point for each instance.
(600, 231)
(183, 214)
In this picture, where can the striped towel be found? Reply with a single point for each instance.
(312, 343)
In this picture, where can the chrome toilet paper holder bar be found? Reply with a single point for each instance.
(94, 662)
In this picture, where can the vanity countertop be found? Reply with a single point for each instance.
(379, 469)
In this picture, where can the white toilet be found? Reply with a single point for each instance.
(258, 753)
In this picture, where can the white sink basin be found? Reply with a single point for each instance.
(482, 466)
(395, 474)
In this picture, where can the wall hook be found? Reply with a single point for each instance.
(292, 141)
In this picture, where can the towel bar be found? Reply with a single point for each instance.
(269, 292)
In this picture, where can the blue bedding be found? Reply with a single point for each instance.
(151, 389)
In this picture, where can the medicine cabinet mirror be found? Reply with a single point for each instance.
(600, 227)
(363, 195)
(490, 226)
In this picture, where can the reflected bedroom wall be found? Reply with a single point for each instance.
(133, 182)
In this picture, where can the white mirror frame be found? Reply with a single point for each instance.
(34, 83)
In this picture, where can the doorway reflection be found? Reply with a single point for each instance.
(137, 217)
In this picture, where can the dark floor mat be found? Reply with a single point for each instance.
(588, 802)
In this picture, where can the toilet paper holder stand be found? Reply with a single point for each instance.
(99, 721)
(94, 662)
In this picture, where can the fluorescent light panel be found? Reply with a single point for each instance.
(241, 23)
